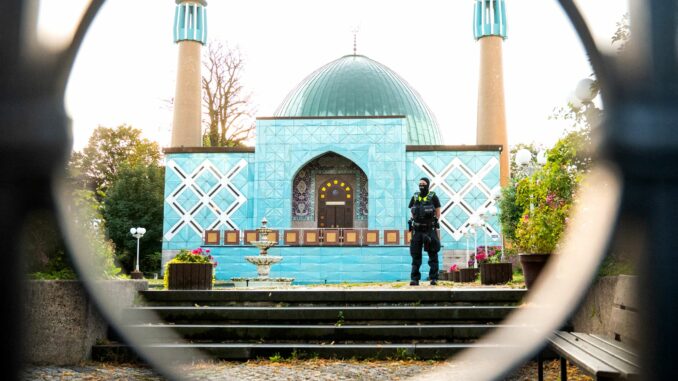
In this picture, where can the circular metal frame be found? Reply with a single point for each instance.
(31, 101)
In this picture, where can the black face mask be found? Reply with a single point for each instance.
(423, 189)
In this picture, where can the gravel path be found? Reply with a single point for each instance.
(279, 371)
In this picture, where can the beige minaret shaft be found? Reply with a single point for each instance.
(491, 128)
(186, 127)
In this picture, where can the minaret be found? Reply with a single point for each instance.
(190, 33)
(489, 29)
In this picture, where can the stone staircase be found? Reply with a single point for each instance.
(326, 323)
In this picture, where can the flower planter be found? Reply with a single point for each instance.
(468, 275)
(496, 273)
(532, 266)
(190, 276)
(453, 276)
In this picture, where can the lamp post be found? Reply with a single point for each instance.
(467, 233)
(475, 222)
(137, 233)
(525, 161)
(483, 219)
(492, 210)
(528, 166)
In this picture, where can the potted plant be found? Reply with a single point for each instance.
(453, 273)
(470, 273)
(492, 269)
(535, 208)
(190, 270)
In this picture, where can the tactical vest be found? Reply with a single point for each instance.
(424, 211)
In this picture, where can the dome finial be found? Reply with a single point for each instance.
(355, 38)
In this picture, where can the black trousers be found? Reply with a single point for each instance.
(416, 245)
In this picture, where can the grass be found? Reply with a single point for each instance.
(612, 266)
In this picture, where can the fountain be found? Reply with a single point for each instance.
(263, 261)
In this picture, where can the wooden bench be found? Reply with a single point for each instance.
(605, 357)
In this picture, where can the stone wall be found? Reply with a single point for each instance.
(63, 322)
(599, 313)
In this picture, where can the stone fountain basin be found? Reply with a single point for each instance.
(264, 244)
(263, 259)
(262, 282)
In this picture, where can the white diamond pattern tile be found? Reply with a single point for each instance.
(206, 213)
(458, 199)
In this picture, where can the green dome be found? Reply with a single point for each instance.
(355, 85)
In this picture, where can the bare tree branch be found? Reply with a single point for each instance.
(227, 108)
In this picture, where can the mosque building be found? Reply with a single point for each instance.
(332, 170)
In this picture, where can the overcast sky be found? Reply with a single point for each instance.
(126, 68)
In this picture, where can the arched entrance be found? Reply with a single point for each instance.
(336, 209)
(335, 203)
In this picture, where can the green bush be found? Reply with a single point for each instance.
(150, 263)
(535, 209)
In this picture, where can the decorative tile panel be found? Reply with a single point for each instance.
(299, 142)
(204, 192)
(464, 182)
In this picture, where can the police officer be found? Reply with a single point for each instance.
(425, 208)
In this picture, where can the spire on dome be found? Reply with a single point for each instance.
(355, 39)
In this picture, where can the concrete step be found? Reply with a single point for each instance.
(335, 323)
(238, 351)
(302, 315)
(488, 296)
(291, 332)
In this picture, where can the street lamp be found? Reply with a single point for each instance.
(137, 233)
(476, 223)
(582, 98)
(524, 160)
(467, 232)
(484, 216)
(492, 209)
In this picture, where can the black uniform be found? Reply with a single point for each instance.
(424, 224)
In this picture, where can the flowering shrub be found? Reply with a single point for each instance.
(454, 268)
(194, 256)
(535, 209)
(493, 254)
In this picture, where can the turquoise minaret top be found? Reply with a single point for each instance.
(190, 21)
(489, 19)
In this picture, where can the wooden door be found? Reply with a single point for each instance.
(335, 203)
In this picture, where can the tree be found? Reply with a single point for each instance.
(623, 33)
(226, 104)
(107, 150)
(135, 199)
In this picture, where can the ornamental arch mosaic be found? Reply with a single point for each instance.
(307, 186)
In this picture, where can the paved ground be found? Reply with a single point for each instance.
(279, 371)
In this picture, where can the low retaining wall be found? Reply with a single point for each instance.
(63, 322)
(597, 313)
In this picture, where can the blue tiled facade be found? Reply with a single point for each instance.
(206, 191)
(235, 190)
(321, 264)
(375, 145)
